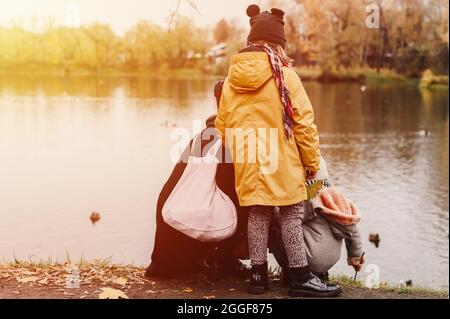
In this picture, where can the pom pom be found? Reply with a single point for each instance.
(277, 12)
(253, 10)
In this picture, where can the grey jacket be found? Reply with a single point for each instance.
(323, 240)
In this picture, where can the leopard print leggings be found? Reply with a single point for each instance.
(291, 229)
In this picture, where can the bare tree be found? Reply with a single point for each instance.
(172, 15)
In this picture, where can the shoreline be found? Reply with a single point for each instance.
(369, 77)
(103, 280)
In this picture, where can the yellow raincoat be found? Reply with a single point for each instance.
(269, 170)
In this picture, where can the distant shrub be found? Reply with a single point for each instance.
(411, 61)
(438, 59)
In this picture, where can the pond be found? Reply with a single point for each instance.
(72, 146)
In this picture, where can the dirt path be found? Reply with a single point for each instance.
(50, 282)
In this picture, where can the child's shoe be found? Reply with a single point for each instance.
(259, 280)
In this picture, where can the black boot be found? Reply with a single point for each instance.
(259, 280)
(285, 277)
(305, 284)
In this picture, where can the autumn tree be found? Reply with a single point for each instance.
(413, 36)
(143, 46)
(221, 31)
(336, 31)
(103, 41)
(184, 38)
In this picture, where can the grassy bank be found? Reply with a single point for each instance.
(373, 77)
(434, 82)
(363, 76)
(104, 280)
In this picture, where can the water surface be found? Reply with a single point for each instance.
(71, 146)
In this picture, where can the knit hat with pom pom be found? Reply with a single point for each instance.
(268, 26)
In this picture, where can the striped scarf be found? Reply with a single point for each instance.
(277, 69)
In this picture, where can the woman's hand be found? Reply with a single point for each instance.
(357, 263)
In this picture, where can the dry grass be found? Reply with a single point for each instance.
(346, 281)
(47, 279)
(48, 273)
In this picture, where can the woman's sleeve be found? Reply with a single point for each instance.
(354, 243)
(305, 131)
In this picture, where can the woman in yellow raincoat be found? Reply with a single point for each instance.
(267, 122)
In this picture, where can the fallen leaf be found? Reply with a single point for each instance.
(16, 292)
(188, 290)
(27, 273)
(25, 280)
(110, 293)
(120, 281)
(151, 292)
(43, 281)
(209, 297)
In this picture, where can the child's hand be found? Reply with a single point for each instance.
(311, 175)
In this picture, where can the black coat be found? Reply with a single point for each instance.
(176, 254)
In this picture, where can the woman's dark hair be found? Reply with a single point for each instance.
(218, 91)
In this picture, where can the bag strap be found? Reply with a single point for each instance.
(212, 152)
(194, 143)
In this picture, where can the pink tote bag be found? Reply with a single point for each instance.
(197, 207)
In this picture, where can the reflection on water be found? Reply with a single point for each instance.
(177, 91)
(72, 146)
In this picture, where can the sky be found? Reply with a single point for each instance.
(120, 14)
